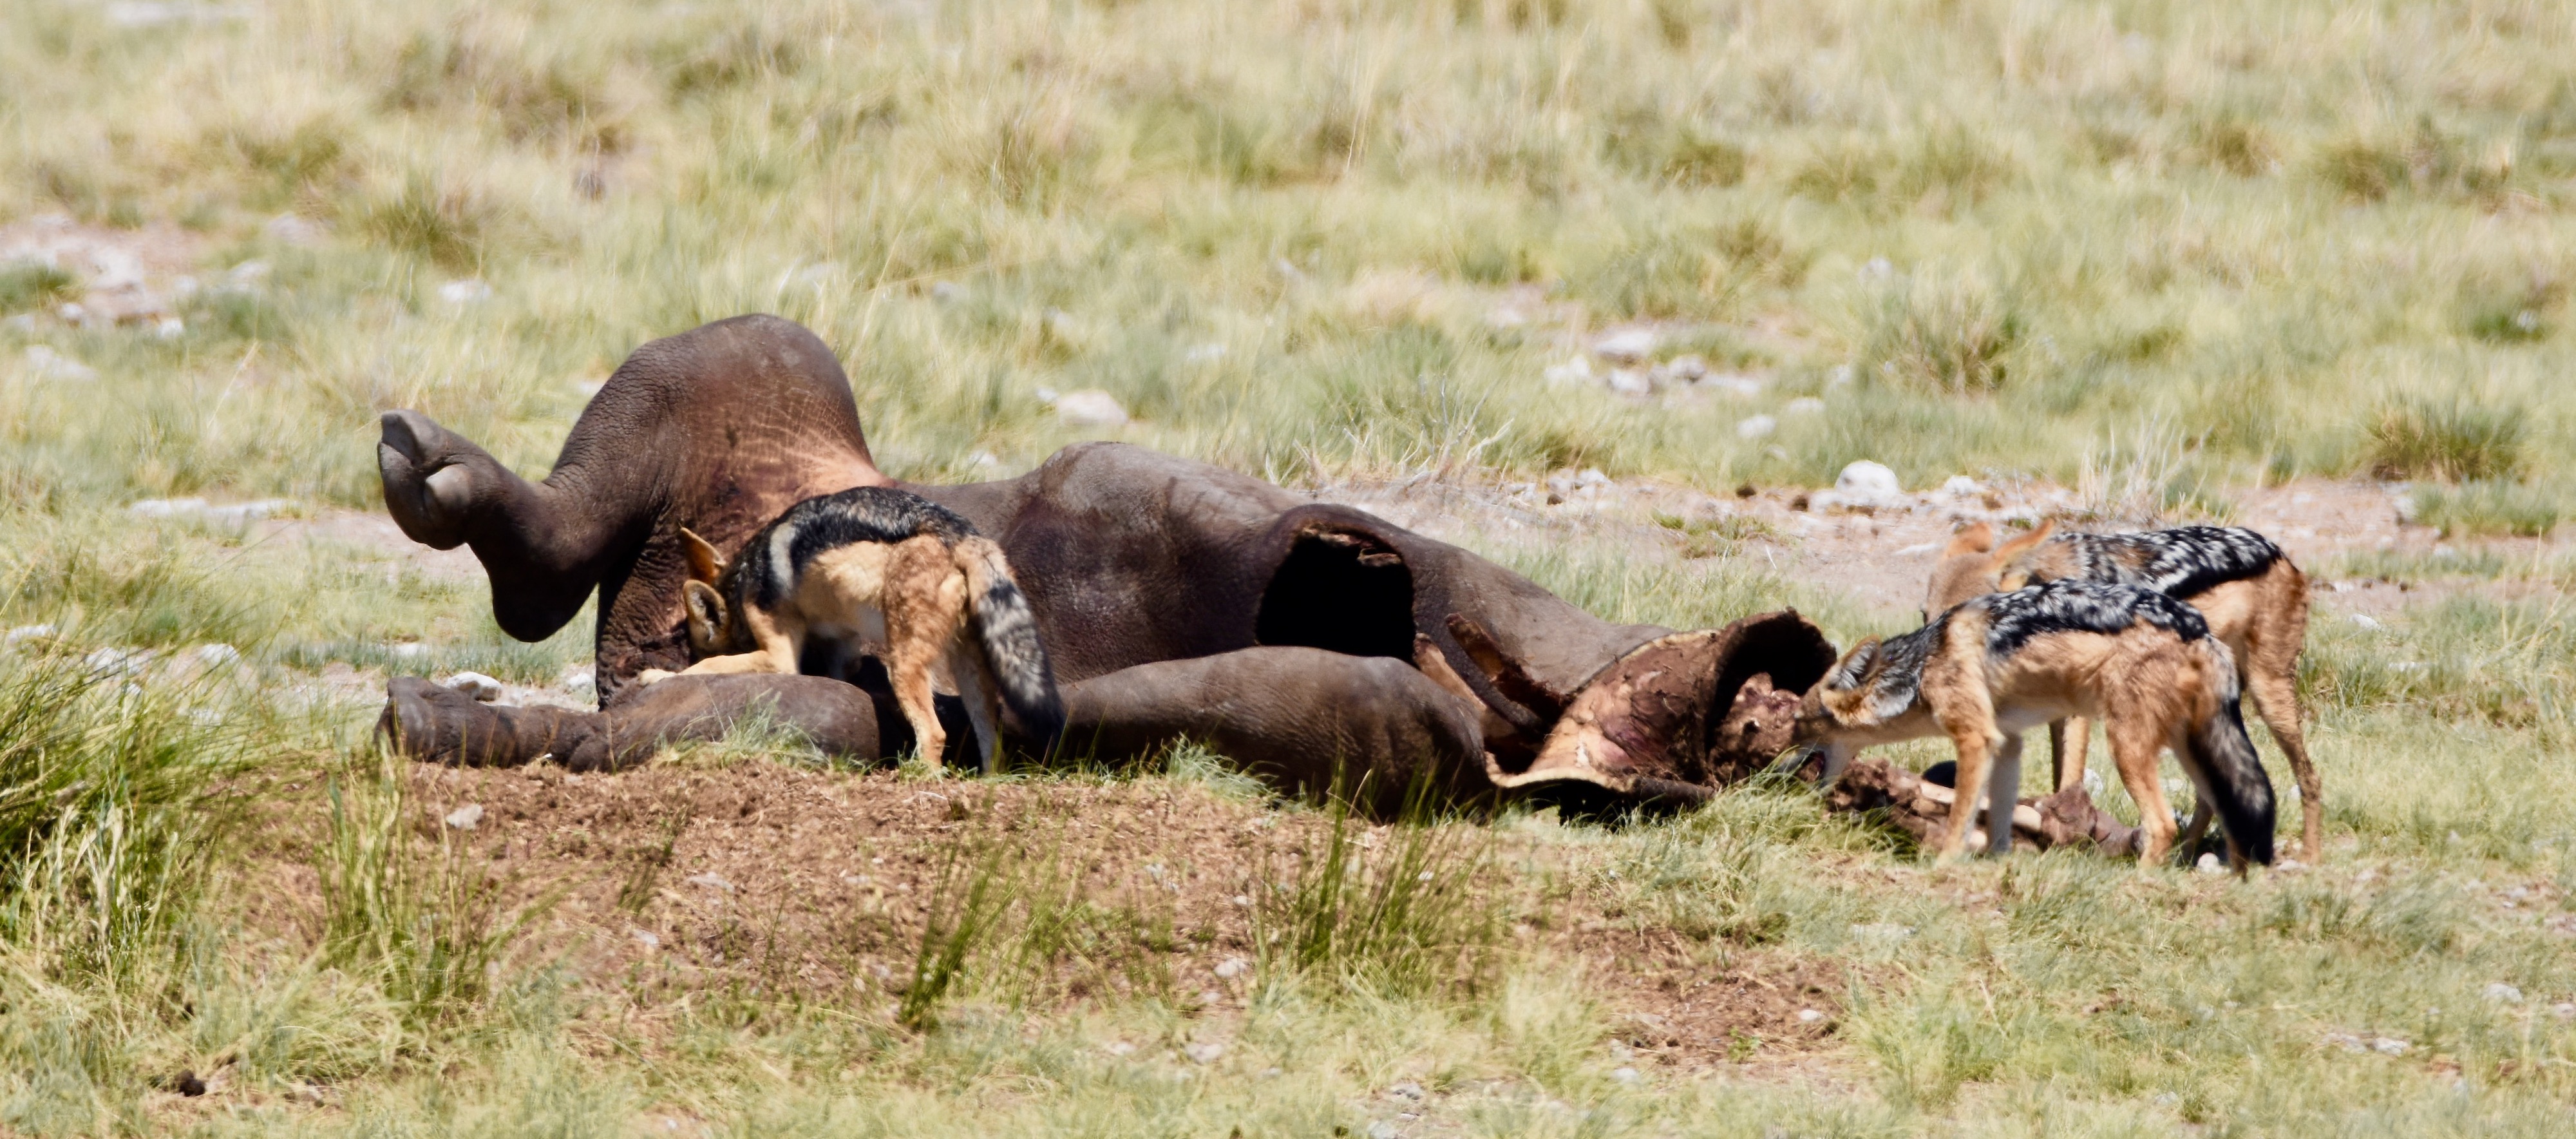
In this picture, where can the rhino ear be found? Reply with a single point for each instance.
(705, 564)
(706, 615)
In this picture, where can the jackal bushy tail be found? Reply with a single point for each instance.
(2233, 773)
(1006, 629)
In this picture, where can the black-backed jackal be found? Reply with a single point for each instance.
(2255, 600)
(898, 576)
(1985, 671)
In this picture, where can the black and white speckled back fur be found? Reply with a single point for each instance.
(2012, 619)
(2180, 562)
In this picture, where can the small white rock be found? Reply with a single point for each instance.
(465, 818)
(1233, 967)
(169, 328)
(1863, 479)
(1810, 1016)
(1686, 368)
(2391, 1046)
(49, 364)
(647, 939)
(464, 292)
(1877, 269)
(947, 292)
(292, 230)
(711, 880)
(1572, 373)
(29, 632)
(1962, 486)
(248, 275)
(1591, 476)
(579, 677)
(1805, 405)
(2503, 994)
(1203, 1051)
(1382, 1130)
(1631, 381)
(216, 655)
(2367, 621)
(476, 685)
(1407, 1090)
(1624, 1075)
(1204, 353)
(1739, 386)
(1756, 427)
(407, 650)
(1090, 407)
(2210, 864)
(1627, 346)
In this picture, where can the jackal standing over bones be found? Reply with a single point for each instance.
(2255, 600)
(893, 572)
(1985, 671)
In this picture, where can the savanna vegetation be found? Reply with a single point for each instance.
(2183, 250)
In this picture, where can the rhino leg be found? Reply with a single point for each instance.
(434, 724)
(1306, 720)
(717, 429)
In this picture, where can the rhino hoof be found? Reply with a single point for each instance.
(427, 498)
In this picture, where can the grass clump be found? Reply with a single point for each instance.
(407, 900)
(2455, 440)
(1393, 911)
(2479, 509)
(35, 284)
(1946, 336)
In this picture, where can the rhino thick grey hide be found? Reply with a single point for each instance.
(1129, 557)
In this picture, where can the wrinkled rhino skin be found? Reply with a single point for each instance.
(1130, 559)
(718, 429)
(1309, 721)
(435, 724)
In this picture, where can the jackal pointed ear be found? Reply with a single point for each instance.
(2025, 543)
(706, 615)
(1974, 538)
(1855, 665)
(705, 564)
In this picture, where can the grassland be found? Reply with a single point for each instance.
(2160, 250)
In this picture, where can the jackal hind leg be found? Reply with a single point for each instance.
(910, 665)
(2067, 741)
(2137, 748)
(2276, 697)
(983, 708)
(2003, 792)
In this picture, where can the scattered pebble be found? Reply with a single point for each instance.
(2391, 1046)
(1805, 405)
(289, 229)
(464, 292)
(476, 685)
(1407, 1090)
(1756, 427)
(2210, 864)
(1382, 1130)
(1204, 353)
(1624, 1075)
(1810, 1016)
(1090, 407)
(1631, 381)
(1686, 368)
(52, 365)
(1119, 1048)
(2367, 621)
(465, 818)
(29, 632)
(1741, 387)
(647, 939)
(2503, 994)
(1570, 373)
(1203, 1051)
(1233, 967)
(406, 650)
(118, 662)
(1628, 346)
(580, 677)
(711, 880)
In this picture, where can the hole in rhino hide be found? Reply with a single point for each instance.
(1342, 591)
(1786, 650)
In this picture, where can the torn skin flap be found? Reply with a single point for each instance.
(1649, 715)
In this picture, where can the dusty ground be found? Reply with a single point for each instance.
(768, 881)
